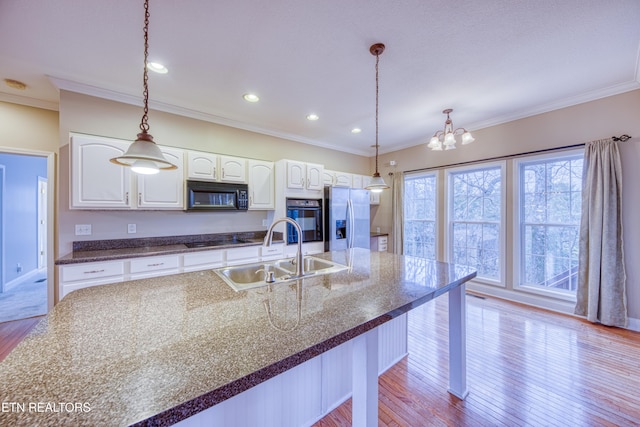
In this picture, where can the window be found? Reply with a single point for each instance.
(420, 215)
(475, 219)
(550, 204)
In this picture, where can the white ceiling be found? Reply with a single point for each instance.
(491, 61)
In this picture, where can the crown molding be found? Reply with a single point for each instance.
(111, 95)
(29, 102)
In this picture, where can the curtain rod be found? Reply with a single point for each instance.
(622, 138)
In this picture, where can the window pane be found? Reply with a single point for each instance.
(476, 199)
(550, 204)
(420, 215)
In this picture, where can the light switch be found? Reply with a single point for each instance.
(131, 228)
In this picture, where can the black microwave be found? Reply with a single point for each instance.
(215, 196)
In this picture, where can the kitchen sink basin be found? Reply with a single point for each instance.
(248, 276)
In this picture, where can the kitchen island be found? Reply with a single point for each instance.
(157, 351)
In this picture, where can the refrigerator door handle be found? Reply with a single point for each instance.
(351, 224)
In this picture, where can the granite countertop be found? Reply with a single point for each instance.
(108, 250)
(155, 351)
(378, 234)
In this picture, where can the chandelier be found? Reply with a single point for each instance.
(377, 183)
(447, 138)
(143, 155)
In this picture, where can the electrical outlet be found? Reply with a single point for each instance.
(19, 268)
(83, 229)
(131, 228)
(265, 222)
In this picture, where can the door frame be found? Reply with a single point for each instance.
(43, 196)
(50, 217)
(2, 251)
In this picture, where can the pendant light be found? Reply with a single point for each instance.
(377, 183)
(143, 155)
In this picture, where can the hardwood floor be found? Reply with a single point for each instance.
(11, 333)
(525, 367)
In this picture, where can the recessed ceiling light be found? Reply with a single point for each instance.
(356, 130)
(251, 97)
(157, 67)
(313, 117)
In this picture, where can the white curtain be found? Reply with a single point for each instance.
(397, 212)
(601, 295)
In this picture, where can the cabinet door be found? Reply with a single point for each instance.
(164, 190)
(343, 179)
(356, 181)
(261, 185)
(314, 177)
(295, 174)
(233, 169)
(95, 181)
(328, 177)
(202, 166)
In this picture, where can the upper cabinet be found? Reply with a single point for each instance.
(233, 169)
(212, 167)
(306, 176)
(164, 190)
(202, 166)
(336, 179)
(261, 185)
(96, 183)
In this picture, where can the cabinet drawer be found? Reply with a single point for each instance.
(156, 263)
(92, 271)
(202, 260)
(274, 251)
(242, 255)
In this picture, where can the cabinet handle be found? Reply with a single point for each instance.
(155, 265)
(223, 172)
(94, 271)
(251, 199)
(303, 184)
(139, 198)
(126, 197)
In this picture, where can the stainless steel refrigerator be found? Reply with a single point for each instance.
(346, 218)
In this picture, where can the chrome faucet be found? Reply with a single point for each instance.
(299, 258)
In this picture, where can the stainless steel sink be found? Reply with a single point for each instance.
(248, 276)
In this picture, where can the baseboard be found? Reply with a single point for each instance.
(20, 279)
(634, 324)
(560, 306)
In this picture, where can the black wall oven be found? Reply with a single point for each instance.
(215, 196)
(308, 214)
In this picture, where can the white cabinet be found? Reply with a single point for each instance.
(233, 169)
(95, 181)
(202, 166)
(202, 260)
(164, 190)
(336, 179)
(83, 275)
(379, 243)
(261, 185)
(154, 266)
(356, 181)
(275, 251)
(242, 255)
(306, 176)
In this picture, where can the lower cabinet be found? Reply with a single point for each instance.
(83, 275)
(304, 394)
(379, 243)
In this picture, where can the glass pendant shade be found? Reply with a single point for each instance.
(433, 142)
(467, 138)
(377, 184)
(449, 139)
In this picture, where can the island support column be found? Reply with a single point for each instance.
(458, 342)
(364, 400)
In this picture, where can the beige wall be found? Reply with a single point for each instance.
(603, 118)
(86, 114)
(28, 128)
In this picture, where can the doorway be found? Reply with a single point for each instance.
(26, 272)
